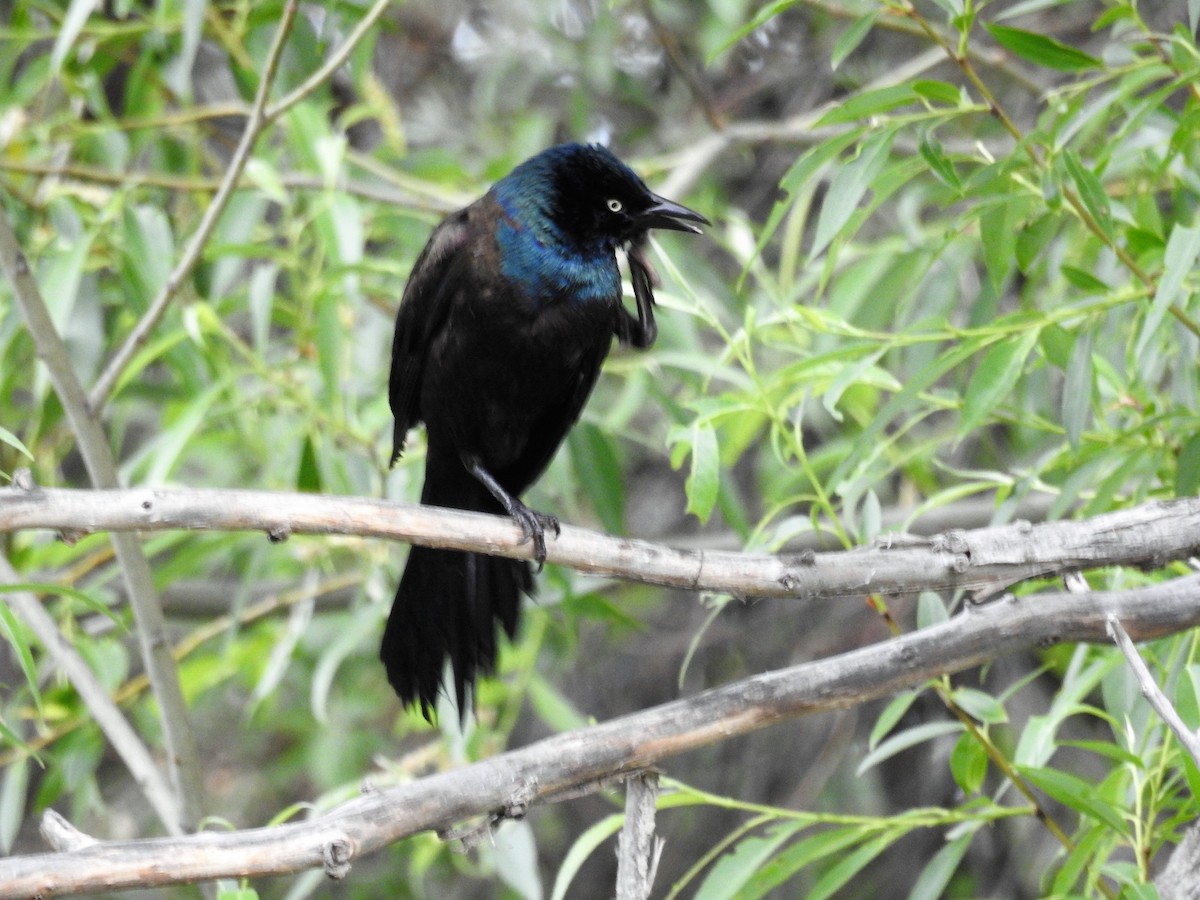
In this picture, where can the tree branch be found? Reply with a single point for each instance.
(183, 757)
(331, 65)
(104, 711)
(985, 561)
(1151, 691)
(638, 849)
(257, 120)
(555, 767)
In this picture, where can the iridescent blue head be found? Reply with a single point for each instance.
(564, 213)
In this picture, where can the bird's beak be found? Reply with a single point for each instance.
(664, 213)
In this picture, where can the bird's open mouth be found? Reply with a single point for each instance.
(671, 215)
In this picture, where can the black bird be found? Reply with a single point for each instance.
(508, 314)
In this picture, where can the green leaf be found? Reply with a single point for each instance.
(892, 713)
(796, 180)
(515, 858)
(41, 587)
(1085, 281)
(1180, 258)
(903, 740)
(1042, 50)
(937, 873)
(331, 341)
(1032, 239)
(583, 848)
(1079, 795)
(850, 865)
(729, 876)
(177, 73)
(867, 104)
(968, 763)
(852, 37)
(598, 470)
(704, 479)
(931, 609)
(1077, 390)
(149, 247)
(998, 233)
(261, 299)
(13, 793)
(552, 706)
(994, 379)
(1187, 468)
(7, 437)
(847, 188)
(68, 31)
(1091, 191)
(308, 476)
(1081, 859)
(938, 91)
(908, 396)
(763, 16)
(1109, 751)
(939, 163)
(14, 632)
(803, 853)
(981, 705)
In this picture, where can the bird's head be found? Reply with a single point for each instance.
(592, 198)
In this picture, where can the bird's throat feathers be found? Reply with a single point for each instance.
(540, 254)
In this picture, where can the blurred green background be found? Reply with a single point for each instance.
(949, 282)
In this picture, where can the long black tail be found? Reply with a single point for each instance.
(450, 604)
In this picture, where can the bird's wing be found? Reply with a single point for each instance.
(423, 311)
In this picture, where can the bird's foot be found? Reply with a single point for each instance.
(533, 525)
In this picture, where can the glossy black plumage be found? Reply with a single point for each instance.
(509, 313)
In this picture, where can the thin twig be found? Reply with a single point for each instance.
(182, 755)
(638, 848)
(107, 381)
(379, 193)
(688, 165)
(331, 65)
(1150, 689)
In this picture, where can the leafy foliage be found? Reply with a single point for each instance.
(960, 265)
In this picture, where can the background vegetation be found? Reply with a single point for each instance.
(951, 275)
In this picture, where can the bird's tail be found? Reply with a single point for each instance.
(450, 604)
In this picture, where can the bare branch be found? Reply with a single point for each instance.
(638, 849)
(183, 757)
(331, 65)
(985, 561)
(104, 711)
(1151, 691)
(107, 381)
(552, 768)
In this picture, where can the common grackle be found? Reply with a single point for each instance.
(507, 316)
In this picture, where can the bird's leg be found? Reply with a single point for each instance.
(533, 524)
(642, 333)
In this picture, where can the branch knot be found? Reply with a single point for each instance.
(336, 855)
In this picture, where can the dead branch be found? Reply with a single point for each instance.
(984, 561)
(551, 769)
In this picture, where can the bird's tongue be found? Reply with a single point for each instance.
(637, 257)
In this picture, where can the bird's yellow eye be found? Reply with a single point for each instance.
(615, 205)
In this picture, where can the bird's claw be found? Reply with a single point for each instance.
(533, 525)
